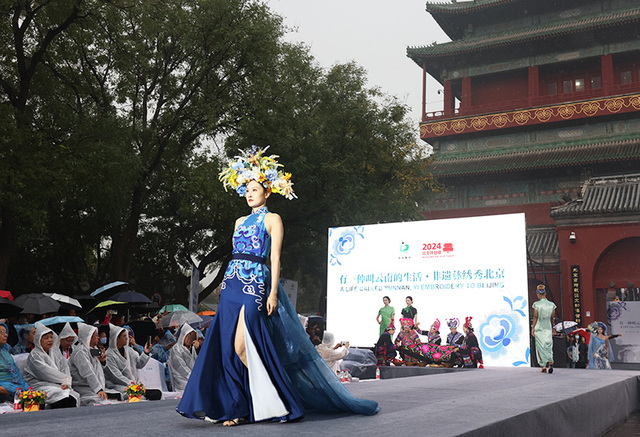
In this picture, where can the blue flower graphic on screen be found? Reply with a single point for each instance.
(615, 310)
(497, 332)
(517, 305)
(345, 243)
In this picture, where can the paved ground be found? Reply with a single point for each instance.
(493, 401)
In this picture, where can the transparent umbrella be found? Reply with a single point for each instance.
(565, 326)
(178, 318)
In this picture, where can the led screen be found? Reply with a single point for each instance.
(452, 268)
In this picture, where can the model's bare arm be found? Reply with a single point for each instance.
(274, 226)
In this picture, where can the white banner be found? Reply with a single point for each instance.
(624, 319)
(452, 268)
(194, 289)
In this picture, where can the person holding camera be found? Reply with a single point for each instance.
(332, 353)
(86, 367)
(123, 363)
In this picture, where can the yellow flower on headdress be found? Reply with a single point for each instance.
(254, 165)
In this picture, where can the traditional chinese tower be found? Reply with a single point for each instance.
(542, 116)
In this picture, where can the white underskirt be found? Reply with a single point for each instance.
(264, 396)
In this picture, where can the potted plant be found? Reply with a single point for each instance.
(135, 391)
(32, 400)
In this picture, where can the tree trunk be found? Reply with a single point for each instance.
(7, 241)
(125, 243)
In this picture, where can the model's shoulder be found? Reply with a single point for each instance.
(272, 217)
(239, 221)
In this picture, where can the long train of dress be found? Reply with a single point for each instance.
(285, 375)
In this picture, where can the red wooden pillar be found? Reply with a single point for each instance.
(448, 98)
(465, 103)
(606, 63)
(424, 91)
(534, 84)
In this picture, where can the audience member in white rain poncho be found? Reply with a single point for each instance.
(43, 372)
(67, 340)
(62, 346)
(332, 354)
(86, 369)
(182, 358)
(123, 363)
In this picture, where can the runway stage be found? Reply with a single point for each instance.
(482, 402)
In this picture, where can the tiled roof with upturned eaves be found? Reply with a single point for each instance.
(607, 195)
(542, 242)
(532, 159)
(464, 6)
(524, 35)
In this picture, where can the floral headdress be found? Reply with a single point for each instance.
(253, 165)
(467, 322)
(453, 323)
(436, 325)
(406, 322)
(595, 325)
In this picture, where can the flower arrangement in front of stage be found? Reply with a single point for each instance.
(32, 397)
(135, 390)
(254, 165)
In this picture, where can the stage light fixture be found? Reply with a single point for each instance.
(572, 237)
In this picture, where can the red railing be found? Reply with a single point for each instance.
(510, 105)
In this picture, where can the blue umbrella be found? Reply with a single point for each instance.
(60, 319)
(131, 297)
(108, 287)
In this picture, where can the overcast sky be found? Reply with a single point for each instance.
(375, 34)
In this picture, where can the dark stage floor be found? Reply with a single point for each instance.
(489, 402)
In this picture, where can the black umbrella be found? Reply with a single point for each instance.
(142, 329)
(8, 308)
(34, 303)
(131, 297)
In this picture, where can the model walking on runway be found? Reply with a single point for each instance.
(257, 362)
(544, 312)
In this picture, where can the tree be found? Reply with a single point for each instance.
(353, 155)
(126, 96)
(25, 164)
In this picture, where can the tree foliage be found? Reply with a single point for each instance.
(351, 150)
(109, 111)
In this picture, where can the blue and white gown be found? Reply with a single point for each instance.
(285, 375)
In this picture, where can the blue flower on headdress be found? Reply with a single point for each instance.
(237, 165)
(497, 332)
(241, 190)
(271, 174)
